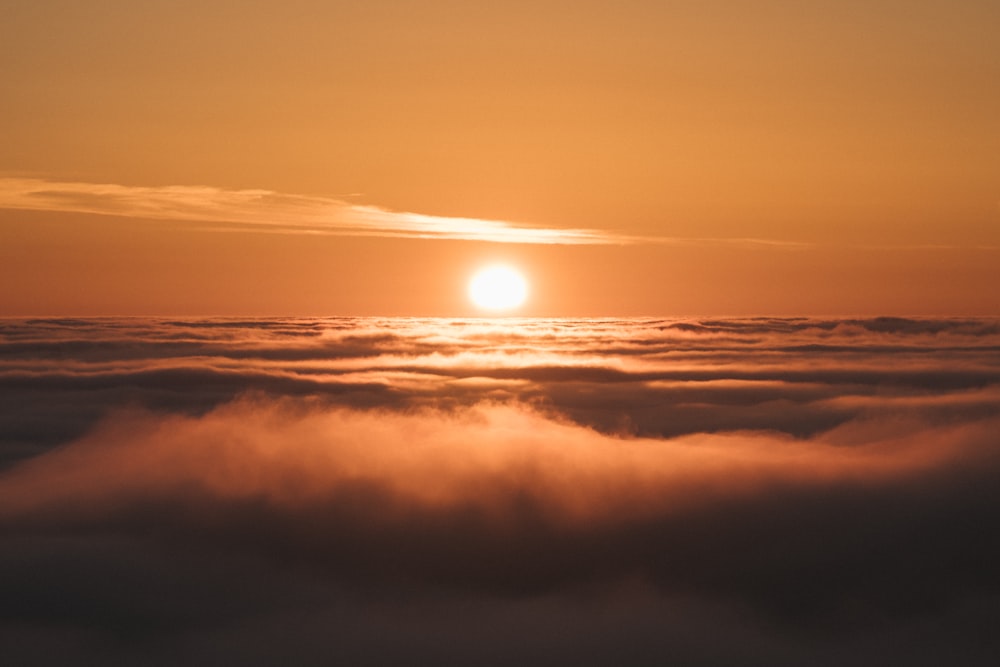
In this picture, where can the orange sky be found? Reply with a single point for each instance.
(717, 157)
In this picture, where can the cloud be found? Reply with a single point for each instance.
(155, 525)
(502, 497)
(657, 378)
(265, 210)
(274, 212)
(760, 490)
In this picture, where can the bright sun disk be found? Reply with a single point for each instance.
(498, 288)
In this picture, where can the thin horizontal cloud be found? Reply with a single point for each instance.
(274, 212)
(266, 210)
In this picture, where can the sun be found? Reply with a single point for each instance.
(498, 288)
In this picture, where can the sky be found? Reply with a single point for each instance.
(746, 415)
(704, 492)
(631, 158)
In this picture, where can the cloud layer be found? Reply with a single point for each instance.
(759, 490)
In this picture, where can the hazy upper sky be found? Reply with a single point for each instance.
(365, 157)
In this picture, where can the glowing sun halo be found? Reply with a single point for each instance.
(498, 288)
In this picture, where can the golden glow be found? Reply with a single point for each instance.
(498, 288)
(643, 158)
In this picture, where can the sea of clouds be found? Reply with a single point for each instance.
(373, 491)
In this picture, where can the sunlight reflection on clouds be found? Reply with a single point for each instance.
(780, 480)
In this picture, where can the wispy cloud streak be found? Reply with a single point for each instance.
(268, 211)
(272, 211)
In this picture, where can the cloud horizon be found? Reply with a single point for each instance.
(713, 491)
